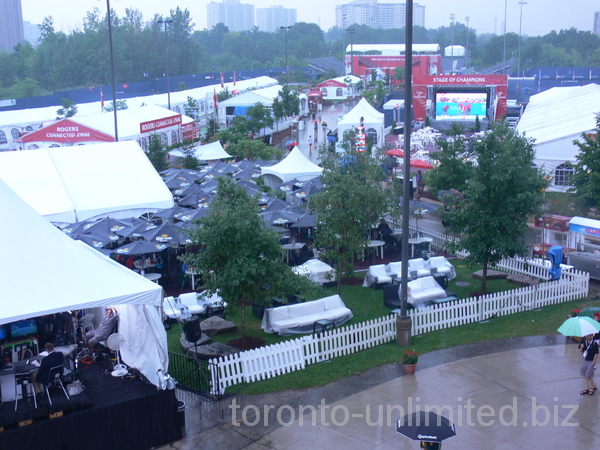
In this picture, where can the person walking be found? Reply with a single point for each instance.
(589, 353)
(310, 143)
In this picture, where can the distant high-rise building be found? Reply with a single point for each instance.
(11, 24)
(270, 19)
(377, 15)
(32, 33)
(597, 23)
(235, 15)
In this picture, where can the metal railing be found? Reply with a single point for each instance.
(194, 375)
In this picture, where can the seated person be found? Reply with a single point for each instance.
(53, 359)
(386, 234)
(104, 330)
(304, 255)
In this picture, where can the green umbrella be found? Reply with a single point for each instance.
(579, 326)
(589, 311)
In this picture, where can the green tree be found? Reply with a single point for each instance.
(240, 254)
(504, 190)
(121, 105)
(352, 200)
(586, 172)
(157, 154)
(189, 161)
(286, 104)
(68, 109)
(258, 117)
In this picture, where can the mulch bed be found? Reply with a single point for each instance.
(249, 343)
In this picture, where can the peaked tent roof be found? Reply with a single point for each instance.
(294, 165)
(71, 275)
(560, 112)
(264, 96)
(67, 130)
(206, 152)
(71, 184)
(365, 110)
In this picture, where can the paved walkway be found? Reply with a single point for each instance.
(506, 394)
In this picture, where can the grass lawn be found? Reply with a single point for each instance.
(367, 303)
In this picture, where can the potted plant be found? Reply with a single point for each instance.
(410, 359)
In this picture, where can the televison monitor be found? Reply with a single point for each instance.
(460, 105)
(23, 328)
(3, 333)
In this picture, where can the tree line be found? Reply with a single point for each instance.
(81, 58)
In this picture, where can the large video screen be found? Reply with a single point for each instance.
(460, 105)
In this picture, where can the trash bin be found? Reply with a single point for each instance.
(301, 125)
(181, 415)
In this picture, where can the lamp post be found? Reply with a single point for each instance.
(521, 3)
(452, 16)
(112, 69)
(351, 31)
(504, 51)
(467, 49)
(287, 70)
(165, 22)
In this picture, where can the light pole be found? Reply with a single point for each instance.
(167, 21)
(504, 51)
(351, 31)
(112, 68)
(287, 70)
(452, 16)
(521, 3)
(467, 49)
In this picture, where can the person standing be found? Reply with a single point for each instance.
(589, 353)
(310, 143)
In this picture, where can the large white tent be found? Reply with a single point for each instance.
(206, 152)
(43, 271)
(373, 121)
(294, 165)
(554, 119)
(71, 184)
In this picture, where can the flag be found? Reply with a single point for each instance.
(215, 104)
(222, 77)
(101, 98)
(234, 77)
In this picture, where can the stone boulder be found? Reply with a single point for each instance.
(214, 350)
(216, 325)
(522, 280)
(491, 275)
(186, 345)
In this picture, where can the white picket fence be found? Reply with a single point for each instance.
(296, 354)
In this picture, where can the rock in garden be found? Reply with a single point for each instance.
(522, 280)
(491, 275)
(216, 325)
(213, 350)
(186, 345)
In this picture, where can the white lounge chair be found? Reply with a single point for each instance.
(190, 299)
(377, 275)
(419, 266)
(439, 264)
(394, 269)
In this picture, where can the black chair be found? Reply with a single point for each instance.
(25, 380)
(55, 378)
(216, 310)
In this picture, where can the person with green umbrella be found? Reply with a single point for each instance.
(589, 353)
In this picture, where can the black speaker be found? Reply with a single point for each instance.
(192, 330)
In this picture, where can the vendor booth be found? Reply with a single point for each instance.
(363, 115)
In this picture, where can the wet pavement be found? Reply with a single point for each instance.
(506, 394)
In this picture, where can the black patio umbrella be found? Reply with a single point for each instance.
(278, 217)
(191, 214)
(306, 221)
(178, 183)
(169, 213)
(198, 199)
(225, 168)
(276, 205)
(245, 164)
(96, 240)
(426, 426)
(109, 225)
(187, 173)
(247, 174)
(140, 247)
(167, 234)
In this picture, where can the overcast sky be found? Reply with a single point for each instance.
(486, 16)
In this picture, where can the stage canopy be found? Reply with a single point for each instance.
(294, 165)
(71, 184)
(67, 130)
(44, 271)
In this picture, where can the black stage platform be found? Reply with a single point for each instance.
(111, 413)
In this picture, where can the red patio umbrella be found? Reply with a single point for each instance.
(396, 152)
(420, 164)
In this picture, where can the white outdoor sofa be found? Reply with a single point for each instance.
(419, 266)
(301, 317)
(317, 271)
(440, 265)
(378, 276)
(424, 290)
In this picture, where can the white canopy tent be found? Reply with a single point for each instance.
(71, 184)
(373, 121)
(294, 165)
(44, 271)
(206, 152)
(554, 119)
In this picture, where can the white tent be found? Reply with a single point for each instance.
(71, 184)
(43, 271)
(554, 119)
(373, 121)
(206, 152)
(294, 165)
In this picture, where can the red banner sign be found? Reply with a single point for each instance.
(153, 125)
(67, 131)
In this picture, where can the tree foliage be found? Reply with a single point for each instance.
(68, 109)
(352, 200)
(240, 255)
(157, 154)
(286, 104)
(503, 191)
(586, 172)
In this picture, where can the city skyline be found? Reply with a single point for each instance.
(539, 16)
